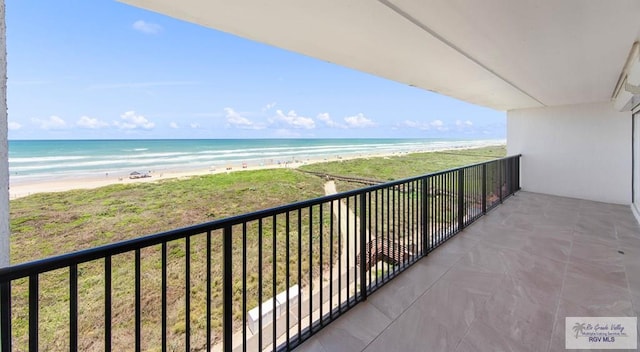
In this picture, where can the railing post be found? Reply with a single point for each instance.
(518, 172)
(514, 174)
(5, 316)
(73, 307)
(460, 199)
(500, 170)
(509, 180)
(425, 216)
(138, 302)
(33, 312)
(363, 245)
(484, 188)
(227, 291)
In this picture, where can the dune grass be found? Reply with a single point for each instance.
(55, 223)
(405, 165)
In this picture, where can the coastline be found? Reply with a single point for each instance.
(26, 188)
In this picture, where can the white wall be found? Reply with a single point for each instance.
(4, 161)
(635, 207)
(580, 151)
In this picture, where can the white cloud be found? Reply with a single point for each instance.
(52, 123)
(173, 125)
(326, 118)
(90, 122)
(359, 121)
(438, 125)
(131, 120)
(464, 124)
(146, 27)
(194, 125)
(415, 124)
(236, 120)
(269, 106)
(293, 120)
(13, 126)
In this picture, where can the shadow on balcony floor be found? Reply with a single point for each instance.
(507, 282)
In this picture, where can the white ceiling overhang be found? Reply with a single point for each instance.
(503, 54)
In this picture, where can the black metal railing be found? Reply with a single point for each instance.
(267, 280)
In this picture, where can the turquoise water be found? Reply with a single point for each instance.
(55, 159)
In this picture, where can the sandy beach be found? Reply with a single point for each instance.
(26, 188)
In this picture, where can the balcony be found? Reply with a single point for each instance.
(268, 280)
(409, 265)
(506, 283)
(398, 266)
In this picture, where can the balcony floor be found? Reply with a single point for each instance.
(505, 283)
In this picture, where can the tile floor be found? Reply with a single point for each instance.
(506, 283)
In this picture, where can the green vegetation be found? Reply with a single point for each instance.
(406, 165)
(405, 199)
(55, 223)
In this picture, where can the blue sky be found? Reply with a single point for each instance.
(100, 69)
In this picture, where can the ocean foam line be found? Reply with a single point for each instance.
(52, 167)
(40, 159)
(105, 165)
(163, 158)
(225, 152)
(134, 150)
(336, 147)
(113, 162)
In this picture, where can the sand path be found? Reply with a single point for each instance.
(349, 229)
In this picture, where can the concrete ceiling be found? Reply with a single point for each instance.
(503, 54)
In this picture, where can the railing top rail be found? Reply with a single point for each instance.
(73, 258)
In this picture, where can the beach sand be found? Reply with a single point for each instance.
(26, 188)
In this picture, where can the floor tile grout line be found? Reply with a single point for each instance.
(576, 231)
(508, 276)
(564, 278)
(474, 320)
(409, 305)
(634, 306)
(419, 296)
(477, 242)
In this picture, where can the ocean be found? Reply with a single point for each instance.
(41, 160)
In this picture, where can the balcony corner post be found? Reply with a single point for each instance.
(518, 157)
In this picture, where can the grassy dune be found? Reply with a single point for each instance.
(403, 166)
(55, 223)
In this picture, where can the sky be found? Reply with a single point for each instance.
(101, 69)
